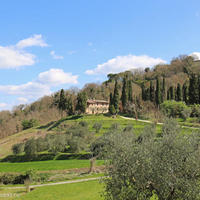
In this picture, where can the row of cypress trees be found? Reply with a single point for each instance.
(189, 93)
(126, 96)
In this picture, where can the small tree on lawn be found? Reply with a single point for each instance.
(97, 126)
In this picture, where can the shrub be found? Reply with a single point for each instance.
(29, 123)
(97, 126)
(173, 108)
(30, 147)
(18, 148)
(83, 123)
(186, 113)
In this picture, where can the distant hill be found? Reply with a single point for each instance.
(50, 108)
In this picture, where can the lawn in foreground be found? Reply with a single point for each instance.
(46, 165)
(90, 190)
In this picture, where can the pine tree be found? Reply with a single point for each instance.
(158, 92)
(152, 92)
(193, 90)
(116, 97)
(179, 92)
(124, 97)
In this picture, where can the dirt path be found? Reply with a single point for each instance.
(58, 183)
(150, 122)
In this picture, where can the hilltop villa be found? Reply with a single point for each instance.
(97, 106)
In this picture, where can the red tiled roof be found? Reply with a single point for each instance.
(97, 101)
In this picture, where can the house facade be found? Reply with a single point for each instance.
(97, 106)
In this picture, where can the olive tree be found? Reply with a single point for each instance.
(147, 166)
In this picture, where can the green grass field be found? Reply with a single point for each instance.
(61, 126)
(46, 165)
(90, 190)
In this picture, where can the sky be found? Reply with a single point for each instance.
(46, 45)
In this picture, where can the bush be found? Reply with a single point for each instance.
(29, 123)
(97, 126)
(195, 110)
(173, 108)
(83, 124)
(186, 113)
(30, 147)
(18, 148)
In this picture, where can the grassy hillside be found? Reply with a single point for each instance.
(63, 124)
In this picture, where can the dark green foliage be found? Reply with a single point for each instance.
(62, 104)
(81, 102)
(29, 123)
(18, 148)
(163, 90)
(30, 147)
(70, 108)
(167, 167)
(173, 108)
(152, 92)
(124, 97)
(97, 126)
(179, 92)
(111, 106)
(83, 123)
(130, 91)
(158, 92)
(171, 95)
(193, 90)
(116, 97)
(185, 93)
(143, 92)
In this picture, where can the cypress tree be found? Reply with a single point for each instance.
(111, 106)
(185, 93)
(147, 92)
(116, 97)
(168, 94)
(152, 92)
(143, 93)
(70, 108)
(124, 97)
(171, 93)
(193, 90)
(179, 92)
(158, 92)
(62, 102)
(199, 87)
(163, 90)
(81, 102)
(130, 91)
